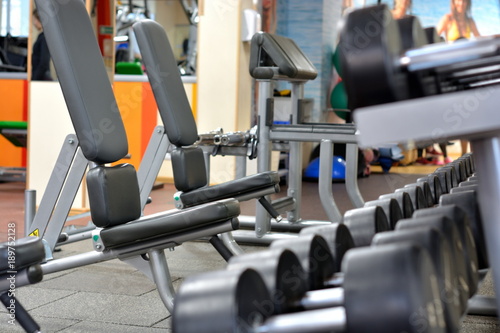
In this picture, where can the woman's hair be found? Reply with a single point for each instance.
(467, 8)
(35, 14)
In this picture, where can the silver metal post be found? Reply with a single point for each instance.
(163, 280)
(488, 166)
(264, 146)
(29, 209)
(295, 157)
(351, 175)
(325, 181)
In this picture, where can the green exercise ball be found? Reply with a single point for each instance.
(338, 100)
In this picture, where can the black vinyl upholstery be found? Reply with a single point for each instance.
(160, 226)
(84, 82)
(187, 162)
(269, 50)
(27, 251)
(113, 195)
(166, 83)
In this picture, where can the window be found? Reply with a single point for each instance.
(15, 18)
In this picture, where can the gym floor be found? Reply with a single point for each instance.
(114, 297)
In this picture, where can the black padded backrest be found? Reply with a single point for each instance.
(83, 79)
(166, 83)
(269, 50)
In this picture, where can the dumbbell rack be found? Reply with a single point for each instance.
(470, 114)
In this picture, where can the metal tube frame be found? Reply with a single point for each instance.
(469, 114)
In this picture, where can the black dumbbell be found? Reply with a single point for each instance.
(435, 186)
(404, 200)
(383, 288)
(449, 230)
(433, 240)
(420, 194)
(466, 199)
(371, 51)
(338, 238)
(461, 219)
(364, 223)
(391, 208)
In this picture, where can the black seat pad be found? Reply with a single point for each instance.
(161, 225)
(231, 189)
(27, 251)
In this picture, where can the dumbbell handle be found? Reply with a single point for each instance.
(324, 320)
(322, 299)
(443, 54)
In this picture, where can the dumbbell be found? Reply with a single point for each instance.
(371, 51)
(466, 199)
(389, 288)
(450, 231)
(363, 223)
(461, 219)
(434, 185)
(433, 240)
(404, 200)
(391, 208)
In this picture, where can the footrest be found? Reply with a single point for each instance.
(237, 189)
(162, 225)
(22, 253)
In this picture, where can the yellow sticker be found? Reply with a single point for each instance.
(35, 233)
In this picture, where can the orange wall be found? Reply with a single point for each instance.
(139, 112)
(13, 107)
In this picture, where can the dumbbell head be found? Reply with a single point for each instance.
(426, 191)
(368, 45)
(416, 194)
(404, 200)
(398, 278)
(434, 185)
(460, 218)
(454, 179)
(449, 230)
(364, 223)
(432, 36)
(222, 301)
(444, 179)
(338, 237)
(282, 272)
(383, 288)
(411, 32)
(314, 255)
(467, 200)
(391, 208)
(442, 257)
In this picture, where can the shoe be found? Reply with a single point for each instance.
(447, 160)
(438, 162)
(422, 161)
(432, 152)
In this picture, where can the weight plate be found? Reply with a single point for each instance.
(435, 186)
(368, 48)
(426, 191)
(337, 236)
